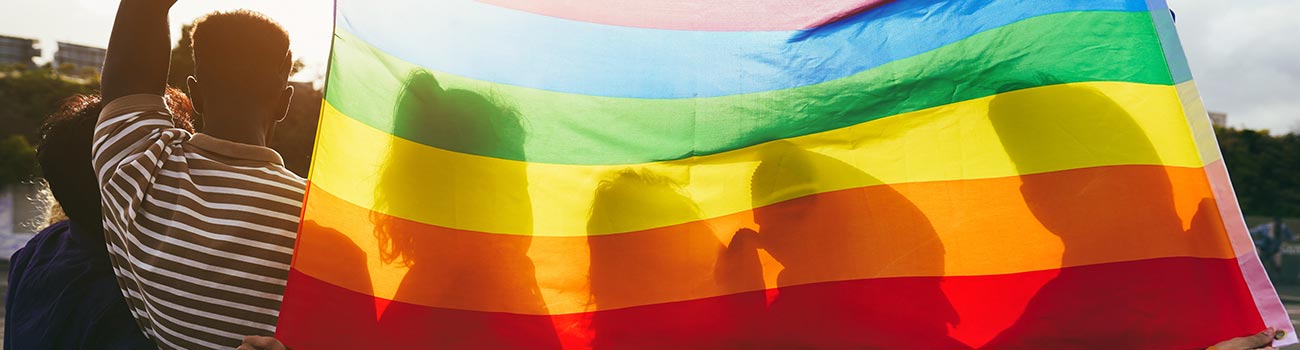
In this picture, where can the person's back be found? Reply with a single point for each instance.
(63, 295)
(201, 227)
(62, 290)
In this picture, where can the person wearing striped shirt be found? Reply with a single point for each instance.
(63, 293)
(200, 227)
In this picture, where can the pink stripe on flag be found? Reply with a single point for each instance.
(717, 15)
(1261, 288)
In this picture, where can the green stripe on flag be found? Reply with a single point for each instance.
(367, 84)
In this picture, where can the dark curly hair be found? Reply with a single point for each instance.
(241, 53)
(64, 153)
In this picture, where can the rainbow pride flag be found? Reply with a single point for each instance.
(684, 174)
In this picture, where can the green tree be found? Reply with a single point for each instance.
(295, 137)
(88, 73)
(1265, 171)
(67, 69)
(29, 95)
(182, 65)
(17, 160)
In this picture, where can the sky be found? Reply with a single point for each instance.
(1245, 58)
(1244, 54)
(89, 22)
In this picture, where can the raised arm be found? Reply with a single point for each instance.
(139, 50)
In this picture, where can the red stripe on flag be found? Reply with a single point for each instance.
(1161, 303)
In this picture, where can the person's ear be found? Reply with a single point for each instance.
(282, 104)
(195, 93)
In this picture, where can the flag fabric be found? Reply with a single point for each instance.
(767, 174)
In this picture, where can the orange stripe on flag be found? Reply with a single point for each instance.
(948, 228)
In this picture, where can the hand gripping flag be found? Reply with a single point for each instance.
(682, 174)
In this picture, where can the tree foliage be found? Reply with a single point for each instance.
(1265, 170)
(29, 95)
(295, 137)
(17, 160)
(182, 65)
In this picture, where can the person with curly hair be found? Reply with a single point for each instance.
(62, 291)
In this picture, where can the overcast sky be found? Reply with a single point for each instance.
(1245, 57)
(1244, 54)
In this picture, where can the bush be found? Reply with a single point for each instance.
(17, 160)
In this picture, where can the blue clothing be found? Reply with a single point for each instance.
(63, 295)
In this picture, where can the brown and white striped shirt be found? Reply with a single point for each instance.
(200, 230)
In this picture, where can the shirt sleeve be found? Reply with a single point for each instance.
(134, 138)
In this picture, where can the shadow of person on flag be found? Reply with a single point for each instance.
(482, 285)
(1115, 187)
(313, 307)
(862, 266)
(663, 264)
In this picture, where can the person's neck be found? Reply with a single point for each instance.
(236, 126)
